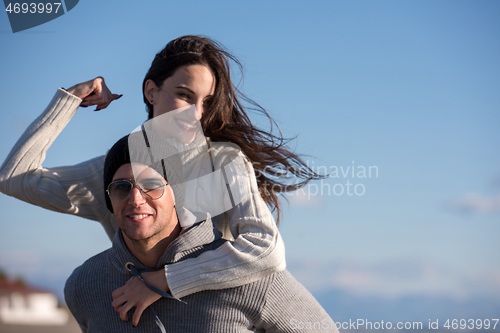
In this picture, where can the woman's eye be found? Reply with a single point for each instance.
(183, 95)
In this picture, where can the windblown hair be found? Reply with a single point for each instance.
(277, 168)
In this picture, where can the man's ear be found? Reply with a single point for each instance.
(149, 89)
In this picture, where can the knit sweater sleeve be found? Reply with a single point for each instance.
(256, 251)
(75, 190)
(289, 307)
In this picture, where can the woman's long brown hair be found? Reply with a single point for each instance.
(277, 168)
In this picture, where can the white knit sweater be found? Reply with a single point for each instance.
(256, 251)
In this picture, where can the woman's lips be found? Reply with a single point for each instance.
(186, 126)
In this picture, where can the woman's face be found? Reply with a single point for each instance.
(187, 92)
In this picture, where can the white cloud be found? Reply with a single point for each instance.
(396, 278)
(20, 262)
(474, 203)
(31, 266)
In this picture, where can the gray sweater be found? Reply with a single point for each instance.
(276, 303)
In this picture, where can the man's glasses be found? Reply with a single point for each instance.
(151, 188)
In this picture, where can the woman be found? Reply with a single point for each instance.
(190, 70)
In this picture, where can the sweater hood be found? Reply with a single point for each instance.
(192, 241)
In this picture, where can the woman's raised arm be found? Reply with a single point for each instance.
(73, 190)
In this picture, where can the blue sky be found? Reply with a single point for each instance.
(410, 88)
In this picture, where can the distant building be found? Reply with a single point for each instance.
(21, 304)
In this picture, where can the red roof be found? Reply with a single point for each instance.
(9, 286)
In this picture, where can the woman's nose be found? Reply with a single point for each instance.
(198, 110)
(193, 113)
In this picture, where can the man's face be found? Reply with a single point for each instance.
(139, 217)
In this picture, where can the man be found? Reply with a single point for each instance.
(149, 237)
